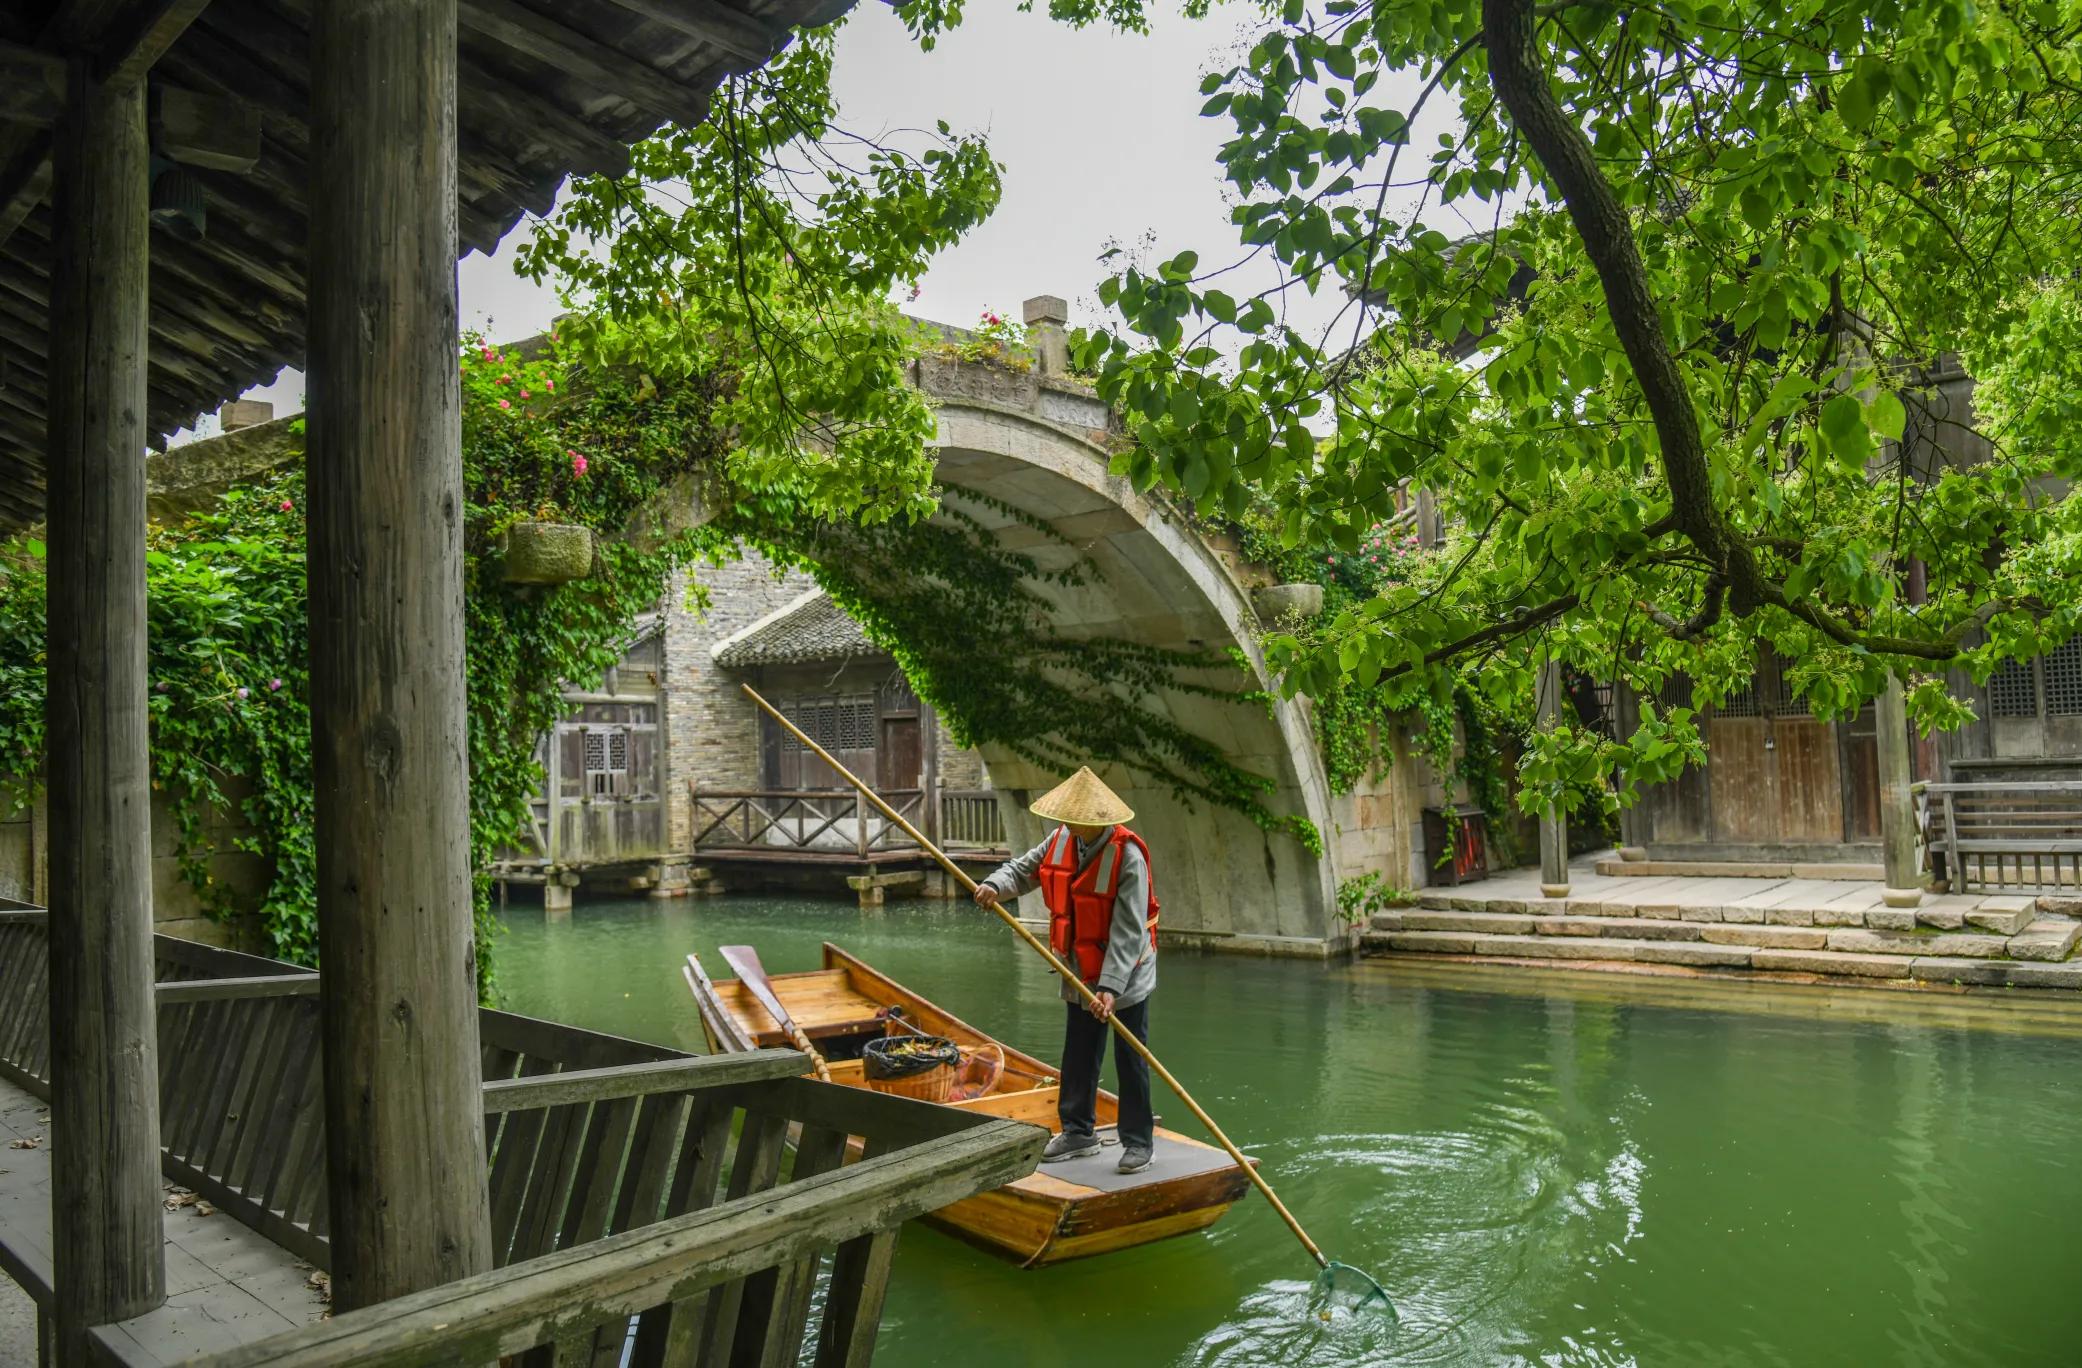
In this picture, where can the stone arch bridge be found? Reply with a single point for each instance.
(1036, 441)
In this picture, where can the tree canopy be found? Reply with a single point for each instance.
(1674, 388)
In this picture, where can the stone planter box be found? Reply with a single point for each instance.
(1277, 602)
(547, 553)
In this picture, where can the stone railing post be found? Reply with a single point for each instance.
(1046, 319)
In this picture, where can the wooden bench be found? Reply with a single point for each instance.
(2004, 834)
(642, 1201)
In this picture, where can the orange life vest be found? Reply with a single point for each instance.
(1080, 901)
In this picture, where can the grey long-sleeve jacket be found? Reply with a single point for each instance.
(1130, 969)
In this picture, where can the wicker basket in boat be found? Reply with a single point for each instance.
(919, 1066)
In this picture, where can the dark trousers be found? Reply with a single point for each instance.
(1084, 1054)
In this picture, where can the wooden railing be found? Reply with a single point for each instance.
(836, 820)
(970, 818)
(2002, 834)
(642, 1202)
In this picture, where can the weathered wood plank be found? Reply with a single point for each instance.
(141, 37)
(641, 1080)
(485, 1316)
(104, 1046)
(212, 990)
(853, 1311)
(546, 40)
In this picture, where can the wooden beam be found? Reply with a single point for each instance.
(137, 39)
(403, 1084)
(25, 178)
(732, 30)
(558, 45)
(641, 1080)
(32, 83)
(107, 1232)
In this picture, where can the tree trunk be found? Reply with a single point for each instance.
(404, 1127)
(107, 1238)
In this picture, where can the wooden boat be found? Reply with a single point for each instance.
(1062, 1211)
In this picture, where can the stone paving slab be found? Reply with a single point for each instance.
(2004, 921)
(1623, 928)
(2046, 941)
(1697, 955)
(1767, 937)
(1952, 969)
(1831, 962)
(2067, 975)
(1958, 944)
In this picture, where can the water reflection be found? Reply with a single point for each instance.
(1541, 1168)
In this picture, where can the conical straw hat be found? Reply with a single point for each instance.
(1082, 800)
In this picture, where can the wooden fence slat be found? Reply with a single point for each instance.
(853, 1310)
(549, 1188)
(276, 1154)
(817, 1150)
(511, 1168)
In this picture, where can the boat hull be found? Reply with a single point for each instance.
(1034, 1221)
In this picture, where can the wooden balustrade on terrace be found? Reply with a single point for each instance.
(811, 826)
(645, 1206)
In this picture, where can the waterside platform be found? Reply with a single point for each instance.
(1788, 928)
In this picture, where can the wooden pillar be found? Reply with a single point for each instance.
(1897, 804)
(929, 772)
(403, 1111)
(107, 1238)
(1554, 822)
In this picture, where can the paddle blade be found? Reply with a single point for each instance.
(1343, 1288)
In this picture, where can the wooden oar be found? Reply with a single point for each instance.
(752, 974)
(961, 876)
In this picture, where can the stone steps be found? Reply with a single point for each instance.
(1803, 903)
(2036, 955)
(1895, 960)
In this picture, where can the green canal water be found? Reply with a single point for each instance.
(1544, 1169)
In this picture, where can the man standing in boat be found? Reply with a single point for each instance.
(1102, 921)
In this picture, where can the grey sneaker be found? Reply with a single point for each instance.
(1134, 1159)
(1068, 1146)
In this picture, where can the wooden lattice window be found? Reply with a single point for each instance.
(2013, 690)
(606, 760)
(2063, 676)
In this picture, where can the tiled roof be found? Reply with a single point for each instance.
(811, 629)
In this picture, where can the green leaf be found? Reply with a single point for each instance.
(1888, 418)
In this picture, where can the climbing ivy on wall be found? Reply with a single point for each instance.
(227, 646)
(1456, 726)
(965, 619)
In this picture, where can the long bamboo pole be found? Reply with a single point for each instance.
(961, 876)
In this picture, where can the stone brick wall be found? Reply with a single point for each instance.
(711, 731)
(959, 769)
(176, 910)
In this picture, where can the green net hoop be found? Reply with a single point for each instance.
(1341, 1285)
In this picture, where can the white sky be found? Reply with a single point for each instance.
(1099, 134)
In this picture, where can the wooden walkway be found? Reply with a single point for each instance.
(226, 1286)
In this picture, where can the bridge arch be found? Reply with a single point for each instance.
(1038, 445)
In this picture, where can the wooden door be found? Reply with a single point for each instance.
(900, 759)
(1861, 778)
(1739, 770)
(1809, 780)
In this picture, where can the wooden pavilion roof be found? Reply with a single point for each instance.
(548, 89)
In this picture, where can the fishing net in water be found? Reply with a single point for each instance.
(1343, 1289)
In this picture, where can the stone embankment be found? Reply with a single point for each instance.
(1803, 927)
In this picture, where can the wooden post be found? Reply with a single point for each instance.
(108, 1251)
(1897, 804)
(403, 1115)
(1554, 821)
(929, 767)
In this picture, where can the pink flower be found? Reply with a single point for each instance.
(489, 354)
(288, 507)
(550, 385)
(1330, 560)
(274, 686)
(524, 394)
(504, 380)
(504, 404)
(164, 686)
(242, 691)
(578, 464)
